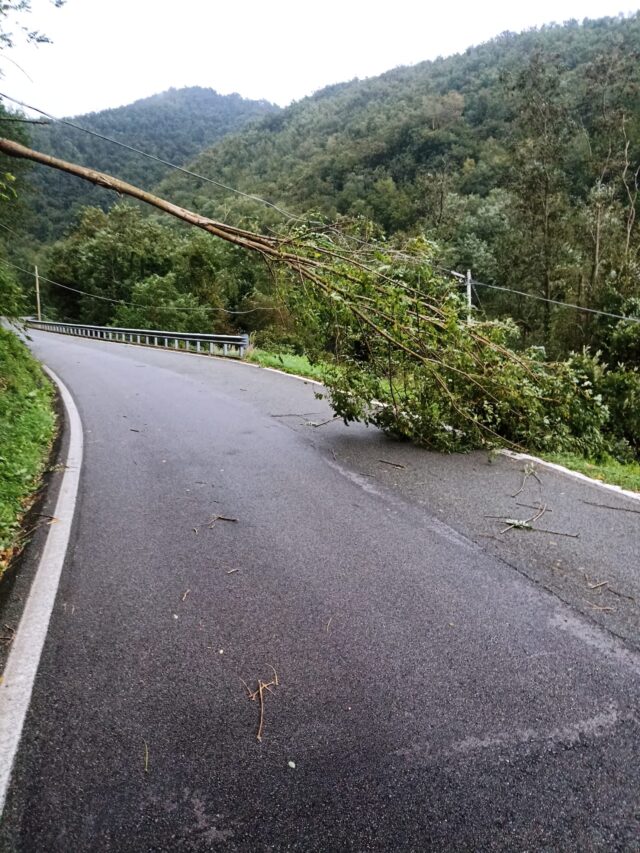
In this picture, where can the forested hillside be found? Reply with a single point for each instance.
(518, 157)
(174, 125)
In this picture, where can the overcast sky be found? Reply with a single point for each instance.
(111, 52)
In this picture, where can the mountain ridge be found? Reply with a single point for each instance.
(173, 125)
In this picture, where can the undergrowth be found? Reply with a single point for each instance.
(27, 427)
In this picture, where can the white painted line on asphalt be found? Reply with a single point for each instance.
(577, 475)
(22, 664)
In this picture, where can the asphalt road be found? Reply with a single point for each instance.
(430, 694)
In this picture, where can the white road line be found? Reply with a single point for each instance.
(22, 665)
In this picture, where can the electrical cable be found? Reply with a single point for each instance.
(556, 302)
(171, 165)
(292, 216)
(134, 304)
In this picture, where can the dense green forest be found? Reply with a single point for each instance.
(519, 160)
(174, 125)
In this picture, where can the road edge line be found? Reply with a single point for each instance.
(23, 661)
(576, 475)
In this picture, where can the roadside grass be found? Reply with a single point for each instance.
(27, 429)
(298, 364)
(625, 475)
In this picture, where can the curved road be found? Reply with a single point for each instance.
(430, 696)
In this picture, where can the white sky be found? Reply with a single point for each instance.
(111, 52)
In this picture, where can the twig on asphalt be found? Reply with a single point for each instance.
(232, 571)
(532, 506)
(12, 633)
(599, 607)
(605, 585)
(556, 532)
(328, 624)
(608, 506)
(621, 594)
(321, 423)
(393, 464)
(185, 594)
(146, 756)
(221, 518)
(295, 415)
(529, 471)
(596, 585)
(258, 695)
(524, 524)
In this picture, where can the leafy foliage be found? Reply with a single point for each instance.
(11, 296)
(27, 424)
(171, 275)
(160, 305)
(407, 358)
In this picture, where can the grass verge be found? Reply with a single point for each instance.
(27, 428)
(627, 476)
(298, 364)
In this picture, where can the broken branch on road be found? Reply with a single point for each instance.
(529, 471)
(608, 506)
(221, 518)
(258, 695)
(393, 464)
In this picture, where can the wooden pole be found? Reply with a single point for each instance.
(258, 242)
(38, 294)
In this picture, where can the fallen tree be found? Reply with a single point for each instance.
(404, 354)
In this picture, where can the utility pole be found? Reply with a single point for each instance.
(38, 294)
(469, 296)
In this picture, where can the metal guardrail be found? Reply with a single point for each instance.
(225, 345)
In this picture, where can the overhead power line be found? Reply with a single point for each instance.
(133, 304)
(462, 279)
(290, 216)
(146, 154)
(556, 301)
(25, 120)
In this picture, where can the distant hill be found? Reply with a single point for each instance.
(175, 125)
(390, 147)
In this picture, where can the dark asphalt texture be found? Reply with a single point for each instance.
(431, 696)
